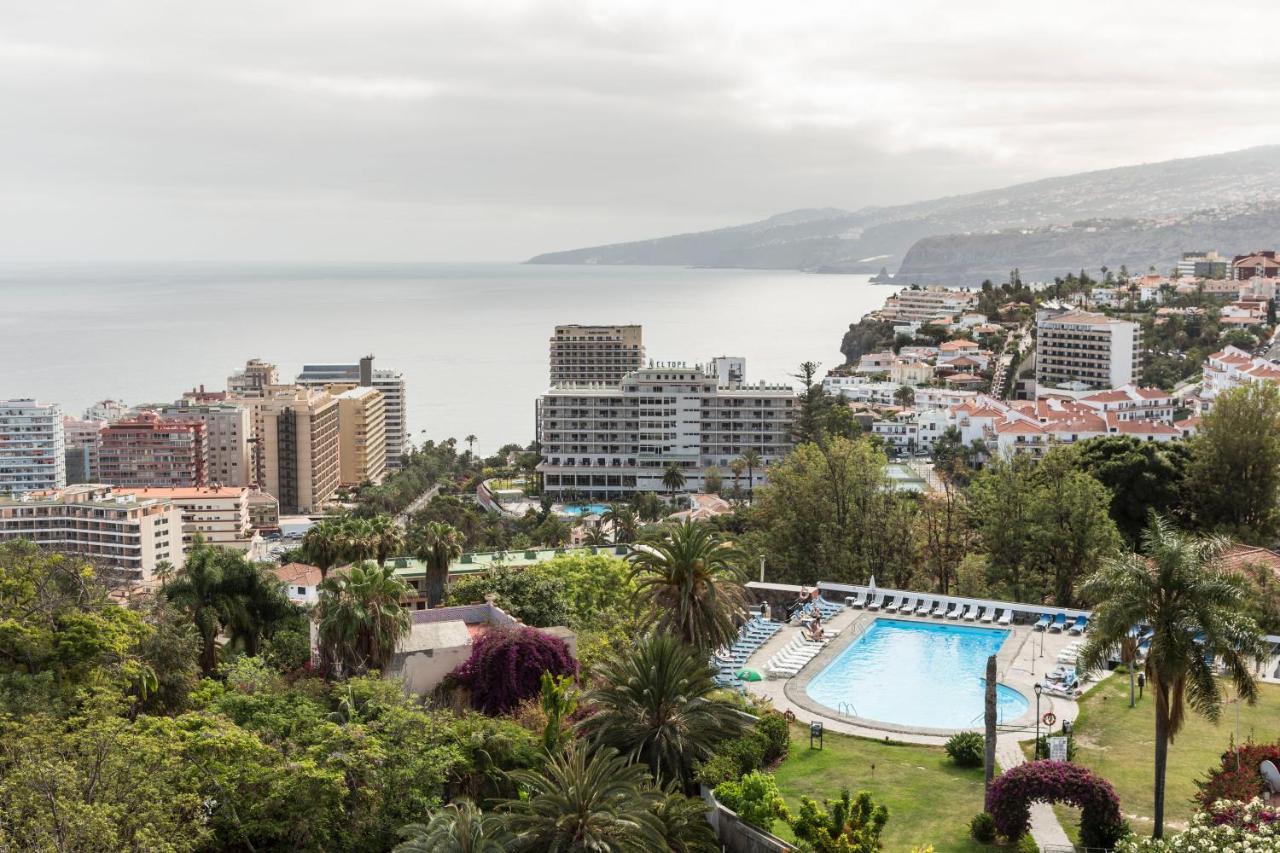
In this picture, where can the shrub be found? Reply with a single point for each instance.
(505, 667)
(1011, 794)
(768, 741)
(846, 825)
(755, 798)
(1237, 776)
(967, 749)
(1227, 825)
(983, 828)
(777, 734)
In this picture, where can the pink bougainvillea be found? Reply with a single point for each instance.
(1013, 792)
(506, 667)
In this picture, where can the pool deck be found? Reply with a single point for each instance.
(1023, 659)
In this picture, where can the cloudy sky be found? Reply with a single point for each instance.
(431, 130)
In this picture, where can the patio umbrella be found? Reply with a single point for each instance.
(750, 675)
(871, 587)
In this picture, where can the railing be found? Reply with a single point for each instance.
(846, 709)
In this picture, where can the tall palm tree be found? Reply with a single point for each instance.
(459, 827)
(738, 467)
(357, 539)
(649, 506)
(691, 583)
(322, 545)
(388, 538)
(904, 395)
(596, 537)
(622, 519)
(1197, 611)
(471, 443)
(199, 592)
(437, 545)
(673, 479)
(655, 707)
(584, 801)
(359, 617)
(751, 459)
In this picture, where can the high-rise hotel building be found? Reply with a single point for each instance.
(390, 383)
(296, 434)
(148, 450)
(595, 354)
(606, 441)
(1087, 349)
(32, 447)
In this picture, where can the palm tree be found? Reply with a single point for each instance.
(388, 538)
(322, 545)
(584, 801)
(904, 396)
(648, 506)
(357, 540)
(360, 619)
(673, 479)
(684, 823)
(655, 707)
(691, 583)
(596, 537)
(1197, 612)
(738, 467)
(437, 545)
(751, 459)
(622, 519)
(471, 442)
(459, 827)
(198, 591)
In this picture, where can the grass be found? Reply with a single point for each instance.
(930, 800)
(1118, 743)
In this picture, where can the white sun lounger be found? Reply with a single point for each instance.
(922, 609)
(906, 604)
(972, 614)
(939, 607)
(1006, 619)
(989, 615)
(876, 605)
(953, 612)
(855, 601)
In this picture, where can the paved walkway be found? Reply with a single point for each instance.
(1045, 828)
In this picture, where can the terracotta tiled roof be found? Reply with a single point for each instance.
(298, 574)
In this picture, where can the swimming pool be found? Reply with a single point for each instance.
(583, 509)
(919, 674)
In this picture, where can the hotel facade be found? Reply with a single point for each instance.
(32, 447)
(1088, 350)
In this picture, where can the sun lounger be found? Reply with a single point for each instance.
(973, 613)
(1006, 618)
(989, 615)
(922, 609)
(1042, 624)
(876, 605)
(907, 604)
(1059, 622)
(939, 607)
(856, 601)
(953, 611)
(966, 613)
(1081, 625)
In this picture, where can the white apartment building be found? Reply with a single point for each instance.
(1232, 367)
(220, 515)
(1081, 348)
(860, 389)
(107, 410)
(604, 442)
(124, 533)
(918, 305)
(32, 447)
(581, 354)
(391, 385)
(228, 435)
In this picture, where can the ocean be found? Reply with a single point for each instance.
(471, 339)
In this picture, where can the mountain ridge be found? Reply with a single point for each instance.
(1202, 192)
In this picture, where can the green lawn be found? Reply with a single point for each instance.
(930, 800)
(1119, 744)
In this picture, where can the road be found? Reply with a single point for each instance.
(418, 503)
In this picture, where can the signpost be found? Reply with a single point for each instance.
(815, 731)
(1057, 749)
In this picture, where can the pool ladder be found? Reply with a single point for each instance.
(846, 709)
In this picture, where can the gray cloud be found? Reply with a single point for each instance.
(398, 131)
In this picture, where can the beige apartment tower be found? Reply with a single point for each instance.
(362, 434)
(590, 354)
(296, 433)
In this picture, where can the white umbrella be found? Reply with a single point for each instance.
(871, 587)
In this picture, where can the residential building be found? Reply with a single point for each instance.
(257, 376)
(123, 533)
(922, 304)
(1203, 265)
(301, 582)
(390, 383)
(875, 362)
(1232, 367)
(1259, 264)
(1088, 349)
(32, 447)
(106, 410)
(296, 432)
(604, 442)
(81, 439)
(264, 511)
(228, 435)
(148, 450)
(1133, 403)
(605, 354)
(218, 514)
(362, 435)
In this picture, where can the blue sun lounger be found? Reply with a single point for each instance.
(1059, 622)
(1080, 625)
(1043, 622)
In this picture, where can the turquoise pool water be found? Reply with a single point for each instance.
(584, 509)
(916, 674)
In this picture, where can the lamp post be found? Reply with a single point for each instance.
(1038, 689)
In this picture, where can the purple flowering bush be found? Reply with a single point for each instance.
(1012, 793)
(505, 667)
